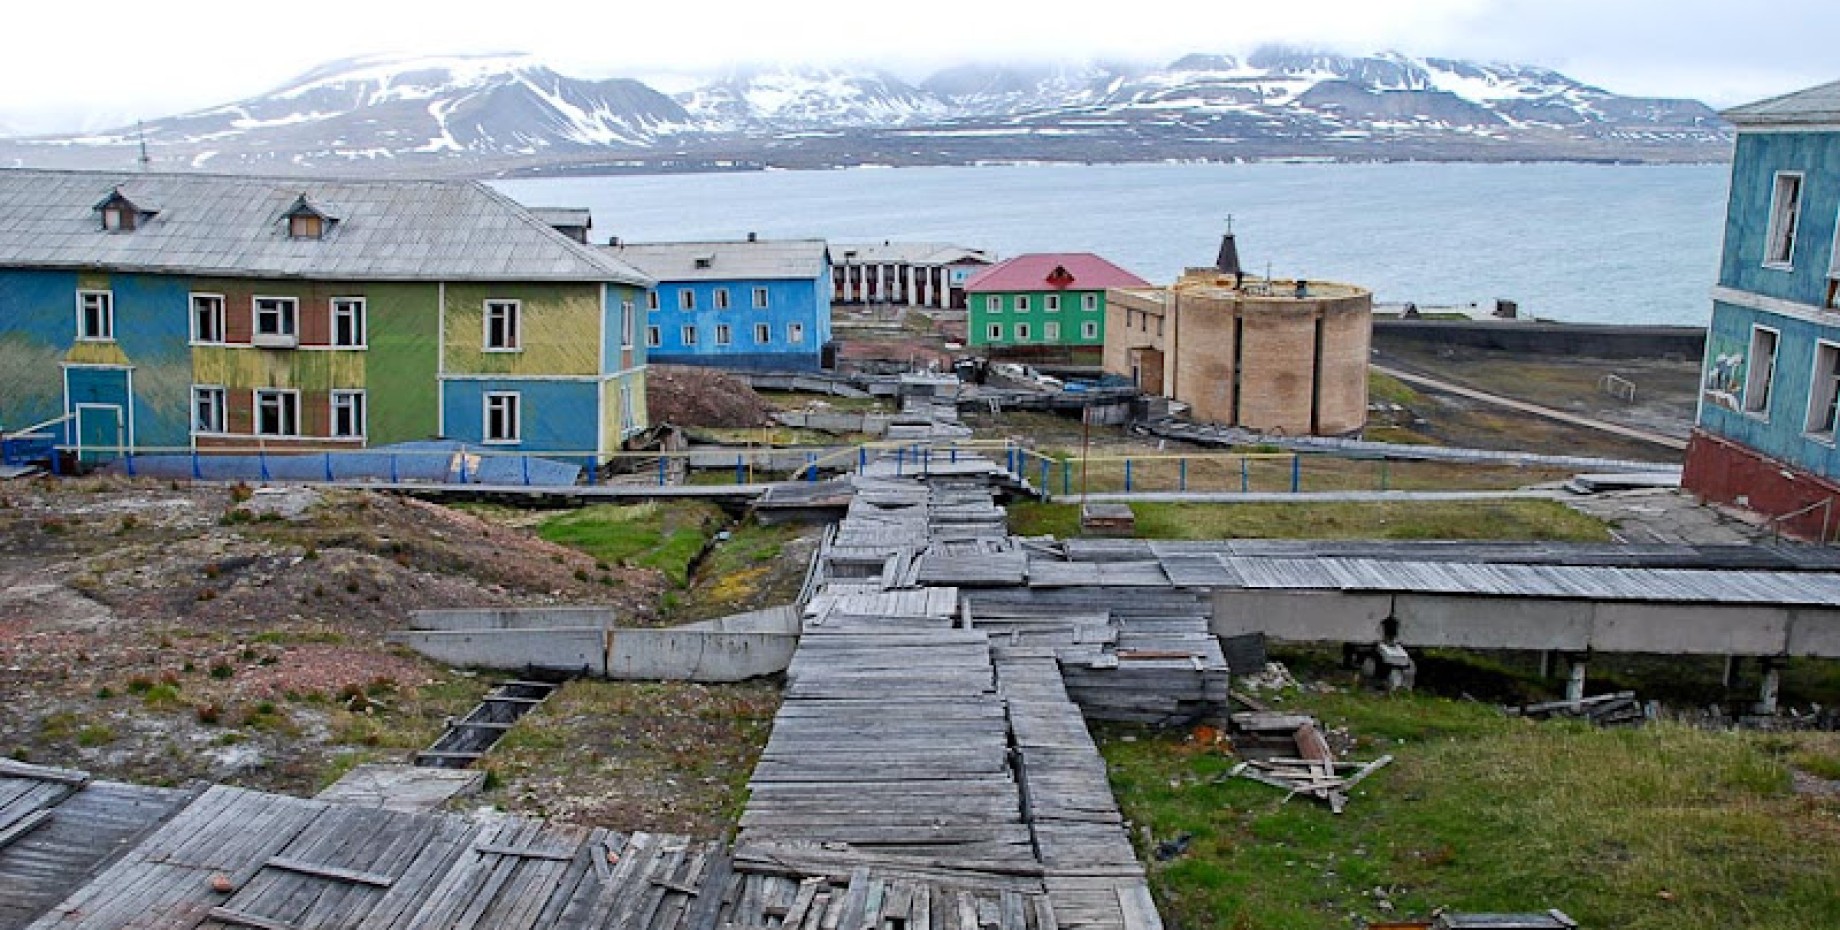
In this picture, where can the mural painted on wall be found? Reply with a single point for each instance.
(1724, 382)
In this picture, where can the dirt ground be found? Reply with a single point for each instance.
(684, 395)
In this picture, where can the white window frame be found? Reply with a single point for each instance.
(1089, 329)
(993, 332)
(721, 298)
(1089, 301)
(1022, 303)
(1759, 381)
(723, 334)
(287, 409)
(104, 307)
(993, 303)
(629, 314)
(651, 301)
(1785, 218)
(355, 310)
(1051, 303)
(509, 407)
(654, 337)
(1051, 331)
(1823, 393)
(1024, 333)
(211, 306)
(356, 403)
(218, 421)
(687, 335)
(686, 299)
(511, 311)
(284, 311)
(760, 298)
(795, 333)
(763, 333)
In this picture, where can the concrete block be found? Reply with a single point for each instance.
(1493, 622)
(689, 655)
(781, 619)
(1301, 616)
(1814, 631)
(580, 648)
(1690, 629)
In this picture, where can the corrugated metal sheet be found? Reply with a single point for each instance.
(761, 260)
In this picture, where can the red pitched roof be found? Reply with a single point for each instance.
(1053, 271)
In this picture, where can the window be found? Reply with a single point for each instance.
(502, 326)
(1051, 303)
(1785, 213)
(722, 334)
(96, 315)
(628, 313)
(763, 334)
(651, 300)
(653, 338)
(993, 304)
(1051, 331)
(1022, 303)
(995, 332)
(208, 319)
(795, 332)
(721, 298)
(276, 320)
(503, 416)
(1824, 391)
(686, 299)
(207, 409)
(277, 413)
(689, 335)
(1022, 332)
(118, 219)
(1089, 301)
(348, 322)
(1089, 330)
(1762, 374)
(306, 226)
(760, 298)
(348, 414)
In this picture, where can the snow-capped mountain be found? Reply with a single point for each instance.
(512, 113)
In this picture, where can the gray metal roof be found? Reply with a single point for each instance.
(1814, 106)
(214, 225)
(732, 260)
(564, 216)
(912, 253)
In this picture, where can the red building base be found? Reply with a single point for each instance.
(1725, 472)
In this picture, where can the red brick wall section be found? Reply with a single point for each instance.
(1725, 472)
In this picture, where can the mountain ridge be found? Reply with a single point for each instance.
(513, 113)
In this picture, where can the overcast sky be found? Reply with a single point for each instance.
(89, 63)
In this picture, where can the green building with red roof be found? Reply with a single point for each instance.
(1043, 299)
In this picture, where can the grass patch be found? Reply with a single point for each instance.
(1388, 389)
(655, 536)
(1503, 519)
(1655, 828)
(792, 400)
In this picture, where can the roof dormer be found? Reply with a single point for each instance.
(120, 214)
(705, 260)
(307, 220)
(1060, 277)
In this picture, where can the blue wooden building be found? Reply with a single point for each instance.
(761, 305)
(1765, 437)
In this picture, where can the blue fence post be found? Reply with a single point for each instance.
(1296, 473)
(811, 467)
(661, 468)
(1245, 475)
(129, 456)
(1127, 476)
(464, 479)
(1066, 477)
(525, 459)
(262, 463)
(1182, 474)
(394, 478)
(900, 460)
(328, 468)
(197, 473)
(593, 470)
(955, 455)
(1046, 471)
(862, 459)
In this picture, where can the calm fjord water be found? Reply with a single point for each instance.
(1583, 243)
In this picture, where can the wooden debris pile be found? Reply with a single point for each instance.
(1290, 752)
(1605, 710)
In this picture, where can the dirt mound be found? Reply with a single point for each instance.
(689, 396)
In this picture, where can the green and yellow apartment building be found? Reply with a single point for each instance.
(173, 312)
